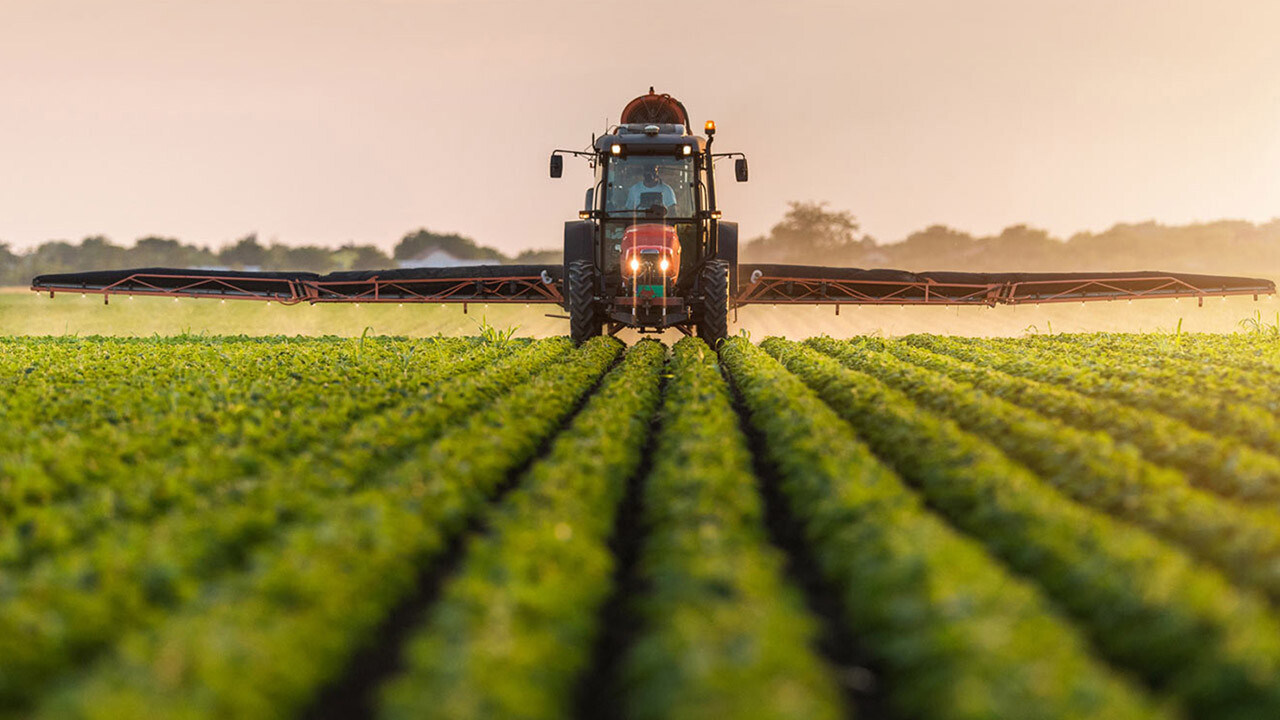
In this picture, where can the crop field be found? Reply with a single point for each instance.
(1057, 526)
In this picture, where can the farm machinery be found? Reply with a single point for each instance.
(650, 251)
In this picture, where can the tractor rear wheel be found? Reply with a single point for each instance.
(713, 320)
(584, 318)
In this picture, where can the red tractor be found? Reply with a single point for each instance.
(649, 250)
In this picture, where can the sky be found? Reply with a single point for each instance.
(335, 121)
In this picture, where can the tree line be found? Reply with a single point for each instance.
(810, 233)
(813, 234)
(248, 253)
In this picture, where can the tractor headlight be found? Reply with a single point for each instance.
(687, 150)
(664, 264)
(615, 149)
(635, 265)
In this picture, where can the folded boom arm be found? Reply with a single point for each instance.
(758, 284)
(808, 285)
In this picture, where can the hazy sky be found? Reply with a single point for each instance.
(326, 121)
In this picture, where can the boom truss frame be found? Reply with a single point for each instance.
(772, 288)
(788, 290)
(289, 291)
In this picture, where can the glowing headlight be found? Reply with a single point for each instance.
(687, 150)
(635, 265)
(615, 149)
(664, 264)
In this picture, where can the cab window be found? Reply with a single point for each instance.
(638, 183)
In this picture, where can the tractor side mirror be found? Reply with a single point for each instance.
(557, 165)
(739, 169)
(591, 197)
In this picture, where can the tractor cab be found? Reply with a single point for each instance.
(651, 196)
(649, 227)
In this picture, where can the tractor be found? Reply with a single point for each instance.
(649, 250)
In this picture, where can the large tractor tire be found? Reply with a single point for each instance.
(584, 317)
(713, 316)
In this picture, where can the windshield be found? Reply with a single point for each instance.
(643, 182)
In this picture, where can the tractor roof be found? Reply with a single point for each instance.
(650, 139)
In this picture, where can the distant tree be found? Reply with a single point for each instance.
(305, 258)
(1020, 247)
(56, 255)
(361, 257)
(97, 251)
(167, 252)
(10, 266)
(938, 240)
(539, 257)
(158, 251)
(423, 242)
(810, 233)
(246, 252)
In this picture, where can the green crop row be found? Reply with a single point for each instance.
(1145, 605)
(130, 504)
(1254, 425)
(1251, 358)
(721, 632)
(513, 631)
(262, 643)
(1224, 466)
(130, 489)
(958, 636)
(64, 609)
(239, 395)
(1046, 527)
(1093, 470)
(1132, 361)
(94, 385)
(1248, 352)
